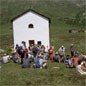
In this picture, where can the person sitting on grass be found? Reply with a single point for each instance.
(31, 57)
(68, 62)
(75, 60)
(45, 55)
(36, 63)
(56, 58)
(40, 62)
(82, 67)
(26, 62)
(6, 58)
(15, 58)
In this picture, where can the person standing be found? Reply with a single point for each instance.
(51, 53)
(62, 52)
(72, 50)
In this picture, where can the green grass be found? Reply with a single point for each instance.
(13, 75)
(54, 9)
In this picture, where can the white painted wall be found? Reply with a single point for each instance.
(40, 32)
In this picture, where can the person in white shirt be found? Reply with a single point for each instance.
(82, 67)
(61, 52)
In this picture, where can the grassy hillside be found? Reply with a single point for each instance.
(78, 2)
(12, 74)
(56, 10)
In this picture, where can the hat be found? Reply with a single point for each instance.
(85, 56)
(62, 46)
(56, 53)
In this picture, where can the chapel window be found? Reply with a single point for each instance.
(31, 26)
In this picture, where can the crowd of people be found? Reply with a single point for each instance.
(35, 56)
